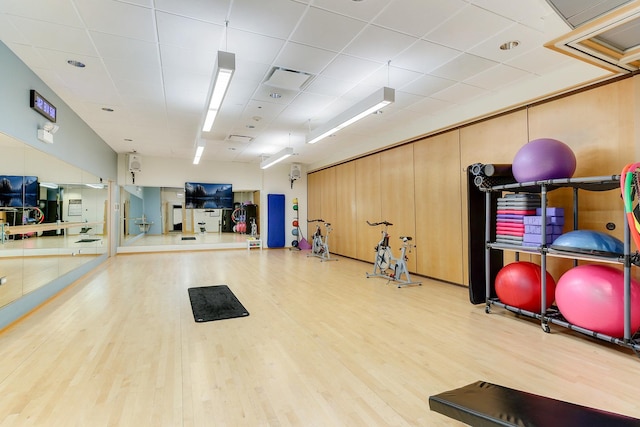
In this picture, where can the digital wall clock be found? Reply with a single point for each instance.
(42, 106)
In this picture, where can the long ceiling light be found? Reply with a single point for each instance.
(199, 150)
(374, 102)
(278, 157)
(225, 67)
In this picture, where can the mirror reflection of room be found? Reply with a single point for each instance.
(165, 218)
(52, 218)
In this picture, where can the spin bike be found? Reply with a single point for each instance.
(385, 265)
(320, 244)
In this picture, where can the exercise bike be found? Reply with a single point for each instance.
(386, 265)
(320, 243)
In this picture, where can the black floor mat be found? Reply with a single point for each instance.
(87, 240)
(188, 238)
(215, 303)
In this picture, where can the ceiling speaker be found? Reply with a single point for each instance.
(296, 171)
(135, 163)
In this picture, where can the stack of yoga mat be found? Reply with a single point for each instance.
(533, 226)
(511, 213)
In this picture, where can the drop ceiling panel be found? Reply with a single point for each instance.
(189, 60)
(520, 11)
(430, 106)
(427, 85)
(275, 18)
(463, 67)
(391, 76)
(135, 70)
(366, 10)
(127, 49)
(59, 11)
(497, 77)
(539, 61)
(349, 68)
(329, 86)
(425, 56)
(53, 36)
(8, 31)
(189, 33)
(378, 44)
(299, 57)
(205, 10)
(29, 55)
(468, 28)
(460, 93)
(527, 38)
(417, 17)
(326, 30)
(119, 18)
(252, 47)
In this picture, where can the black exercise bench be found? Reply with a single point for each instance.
(484, 404)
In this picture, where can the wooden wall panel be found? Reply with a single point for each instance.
(438, 207)
(368, 206)
(398, 198)
(314, 200)
(598, 125)
(343, 238)
(492, 141)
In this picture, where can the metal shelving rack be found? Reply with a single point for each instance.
(552, 315)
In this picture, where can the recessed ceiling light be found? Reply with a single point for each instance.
(231, 148)
(509, 45)
(251, 127)
(275, 95)
(110, 110)
(76, 63)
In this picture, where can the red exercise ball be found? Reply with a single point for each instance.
(295, 222)
(592, 297)
(518, 284)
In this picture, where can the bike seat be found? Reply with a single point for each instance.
(406, 238)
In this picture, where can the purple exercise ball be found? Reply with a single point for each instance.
(542, 159)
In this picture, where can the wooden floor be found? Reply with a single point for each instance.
(323, 346)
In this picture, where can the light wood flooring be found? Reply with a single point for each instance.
(323, 346)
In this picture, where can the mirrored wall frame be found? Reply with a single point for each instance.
(53, 230)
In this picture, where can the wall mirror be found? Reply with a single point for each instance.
(157, 216)
(52, 218)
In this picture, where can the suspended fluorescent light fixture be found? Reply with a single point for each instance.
(278, 157)
(96, 186)
(374, 102)
(199, 150)
(50, 185)
(225, 67)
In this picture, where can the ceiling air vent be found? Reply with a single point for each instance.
(606, 33)
(288, 79)
(578, 12)
(240, 138)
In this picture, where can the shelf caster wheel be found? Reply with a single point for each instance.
(487, 309)
(546, 328)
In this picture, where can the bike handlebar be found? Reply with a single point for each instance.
(315, 220)
(379, 223)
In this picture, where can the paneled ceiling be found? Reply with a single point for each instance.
(151, 63)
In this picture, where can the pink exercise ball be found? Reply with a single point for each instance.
(543, 159)
(592, 297)
(519, 284)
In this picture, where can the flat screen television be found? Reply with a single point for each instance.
(18, 191)
(200, 195)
